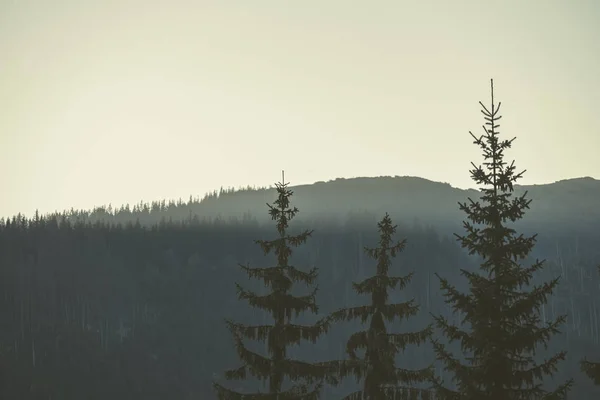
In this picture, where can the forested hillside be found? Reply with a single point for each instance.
(99, 311)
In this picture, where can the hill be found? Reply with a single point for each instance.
(144, 308)
(572, 204)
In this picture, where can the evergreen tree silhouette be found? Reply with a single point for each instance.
(382, 380)
(592, 369)
(501, 308)
(281, 304)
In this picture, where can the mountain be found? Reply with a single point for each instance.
(566, 204)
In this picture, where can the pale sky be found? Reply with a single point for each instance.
(120, 101)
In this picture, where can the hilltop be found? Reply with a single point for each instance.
(571, 203)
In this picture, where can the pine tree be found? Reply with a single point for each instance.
(281, 304)
(592, 369)
(382, 380)
(502, 308)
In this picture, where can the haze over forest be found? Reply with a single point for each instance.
(135, 309)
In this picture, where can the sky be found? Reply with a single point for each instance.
(114, 102)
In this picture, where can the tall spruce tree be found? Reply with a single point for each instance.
(502, 307)
(381, 378)
(281, 304)
(592, 369)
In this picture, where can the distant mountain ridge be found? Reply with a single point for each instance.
(569, 202)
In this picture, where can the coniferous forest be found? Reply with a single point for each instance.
(378, 288)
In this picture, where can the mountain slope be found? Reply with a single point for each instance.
(566, 204)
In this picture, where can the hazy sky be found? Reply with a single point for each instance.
(121, 101)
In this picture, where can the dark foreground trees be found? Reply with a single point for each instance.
(501, 311)
(381, 378)
(281, 304)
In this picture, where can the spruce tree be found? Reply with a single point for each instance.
(381, 378)
(592, 369)
(282, 305)
(502, 306)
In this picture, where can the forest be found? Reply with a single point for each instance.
(365, 288)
